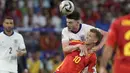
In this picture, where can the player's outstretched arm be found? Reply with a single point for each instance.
(103, 41)
(107, 53)
(69, 48)
(65, 42)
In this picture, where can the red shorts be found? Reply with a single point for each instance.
(121, 67)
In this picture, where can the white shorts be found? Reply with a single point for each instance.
(1, 71)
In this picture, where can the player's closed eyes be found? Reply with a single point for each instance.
(6, 23)
(70, 22)
(9, 23)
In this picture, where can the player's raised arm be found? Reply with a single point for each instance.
(22, 50)
(105, 34)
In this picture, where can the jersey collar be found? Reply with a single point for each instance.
(8, 35)
(78, 29)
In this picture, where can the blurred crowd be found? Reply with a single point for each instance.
(44, 47)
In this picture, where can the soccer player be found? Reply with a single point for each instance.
(119, 39)
(75, 30)
(11, 46)
(74, 63)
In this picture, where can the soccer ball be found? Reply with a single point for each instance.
(66, 7)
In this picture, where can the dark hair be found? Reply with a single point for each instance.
(98, 35)
(75, 15)
(8, 17)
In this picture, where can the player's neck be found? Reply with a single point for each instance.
(77, 28)
(8, 33)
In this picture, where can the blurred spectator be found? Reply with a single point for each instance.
(49, 41)
(46, 4)
(34, 63)
(22, 65)
(38, 20)
(1, 17)
(2, 4)
(104, 22)
(55, 20)
(32, 41)
(27, 19)
(54, 62)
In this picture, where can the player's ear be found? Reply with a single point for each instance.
(78, 22)
(96, 40)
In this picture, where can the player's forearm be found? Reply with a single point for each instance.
(107, 53)
(105, 34)
(24, 52)
(70, 48)
(21, 52)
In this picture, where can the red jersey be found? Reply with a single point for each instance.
(73, 63)
(119, 36)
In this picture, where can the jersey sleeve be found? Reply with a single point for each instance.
(112, 34)
(65, 36)
(21, 42)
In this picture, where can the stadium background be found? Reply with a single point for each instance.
(40, 23)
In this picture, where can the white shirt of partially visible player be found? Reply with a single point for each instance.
(8, 51)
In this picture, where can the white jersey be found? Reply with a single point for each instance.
(8, 47)
(80, 35)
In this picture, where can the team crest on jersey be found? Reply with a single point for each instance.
(82, 38)
(15, 41)
(71, 39)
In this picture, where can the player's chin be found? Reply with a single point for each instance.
(69, 29)
(9, 30)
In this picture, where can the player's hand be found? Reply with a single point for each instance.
(19, 53)
(83, 50)
(102, 70)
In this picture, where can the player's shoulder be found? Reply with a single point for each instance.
(120, 20)
(17, 34)
(65, 29)
(1, 34)
(87, 26)
(123, 17)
